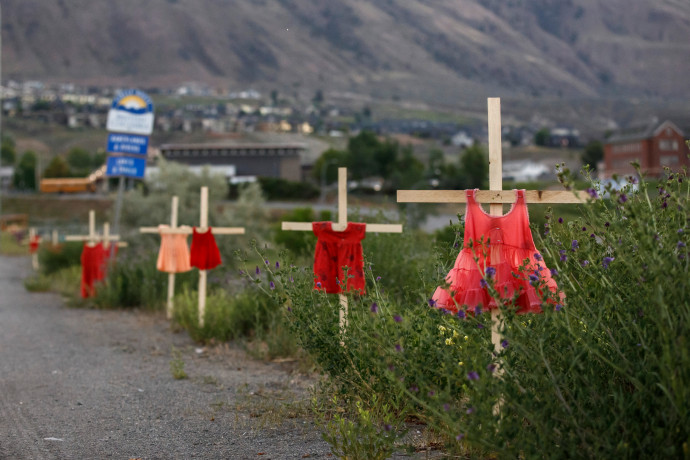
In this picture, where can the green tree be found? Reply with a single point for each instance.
(57, 167)
(542, 136)
(25, 172)
(80, 161)
(593, 154)
(408, 171)
(474, 166)
(7, 151)
(331, 159)
(362, 150)
(99, 159)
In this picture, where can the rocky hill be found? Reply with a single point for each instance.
(433, 50)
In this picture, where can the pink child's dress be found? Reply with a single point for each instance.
(503, 243)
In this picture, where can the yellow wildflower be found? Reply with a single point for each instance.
(466, 338)
(461, 363)
(449, 341)
(455, 334)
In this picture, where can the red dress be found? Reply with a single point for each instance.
(92, 268)
(507, 242)
(204, 253)
(335, 250)
(34, 242)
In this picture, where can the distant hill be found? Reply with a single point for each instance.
(434, 50)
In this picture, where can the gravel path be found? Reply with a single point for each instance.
(85, 384)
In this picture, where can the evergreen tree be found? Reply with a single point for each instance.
(25, 172)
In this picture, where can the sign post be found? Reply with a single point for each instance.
(130, 122)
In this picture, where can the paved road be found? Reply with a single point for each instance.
(84, 384)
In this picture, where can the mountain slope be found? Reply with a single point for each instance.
(437, 50)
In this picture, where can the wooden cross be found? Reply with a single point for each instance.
(203, 228)
(55, 240)
(93, 237)
(495, 195)
(169, 306)
(340, 226)
(34, 256)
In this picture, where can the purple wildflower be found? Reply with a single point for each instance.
(414, 389)
(664, 205)
(593, 193)
(533, 279)
(472, 375)
(266, 261)
(289, 309)
(584, 229)
(397, 318)
(292, 280)
(378, 278)
(490, 272)
(258, 272)
(461, 313)
(459, 437)
(574, 245)
(241, 272)
(398, 347)
(387, 427)
(584, 263)
(431, 302)
(607, 224)
(480, 326)
(446, 407)
(431, 394)
(374, 308)
(470, 410)
(277, 264)
(478, 310)
(623, 198)
(680, 230)
(482, 283)
(538, 256)
(318, 284)
(491, 368)
(554, 272)
(680, 245)
(563, 256)
(272, 285)
(559, 307)
(560, 220)
(606, 261)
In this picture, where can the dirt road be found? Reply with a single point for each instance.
(84, 384)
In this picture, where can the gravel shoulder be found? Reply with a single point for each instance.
(98, 384)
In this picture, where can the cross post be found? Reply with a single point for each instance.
(340, 226)
(185, 230)
(34, 239)
(495, 195)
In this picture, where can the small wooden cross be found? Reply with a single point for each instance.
(34, 256)
(184, 230)
(340, 226)
(93, 237)
(496, 196)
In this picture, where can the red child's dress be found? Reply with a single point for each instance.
(335, 250)
(34, 242)
(204, 253)
(92, 268)
(507, 242)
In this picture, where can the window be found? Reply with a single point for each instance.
(668, 145)
(627, 148)
(668, 160)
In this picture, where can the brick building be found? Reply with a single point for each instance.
(267, 160)
(654, 147)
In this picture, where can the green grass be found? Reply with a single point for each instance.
(10, 247)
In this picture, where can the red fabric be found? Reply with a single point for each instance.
(204, 253)
(507, 243)
(335, 250)
(92, 268)
(33, 244)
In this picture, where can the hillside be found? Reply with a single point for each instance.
(437, 51)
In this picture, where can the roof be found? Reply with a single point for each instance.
(297, 146)
(639, 133)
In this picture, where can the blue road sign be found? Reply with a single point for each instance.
(127, 143)
(126, 166)
(131, 112)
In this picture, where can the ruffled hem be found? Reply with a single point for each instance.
(467, 289)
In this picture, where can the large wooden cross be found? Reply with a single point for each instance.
(185, 230)
(93, 237)
(340, 226)
(496, 196)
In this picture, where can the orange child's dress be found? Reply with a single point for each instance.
(503, 243)
(173, 255)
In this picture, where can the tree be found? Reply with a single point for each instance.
(57, 167)
(80, 161)
(25, 172)
(474, 166)
(331, 159)
(542, 136)
(593, 154)
(8, 154)
(99, 159)
(362, 155)
(408, 171)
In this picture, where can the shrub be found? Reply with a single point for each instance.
(54, 258)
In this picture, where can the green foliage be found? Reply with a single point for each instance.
(25, 172)
(8, 153)
(276, 188)
(38, 283)
(475, 167)
(542, 136)
(362, 160)
(57, 167)
(53, 259)
(177, 365)
(80, 161)
(369, 436)
(593, 154)
(331, 159)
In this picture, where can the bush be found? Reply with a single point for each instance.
(54, 258)
(281, 189)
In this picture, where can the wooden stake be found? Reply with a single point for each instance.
(34, 256)
(340, 226)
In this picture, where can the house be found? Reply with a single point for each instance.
(654, 147)
(267, 160)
